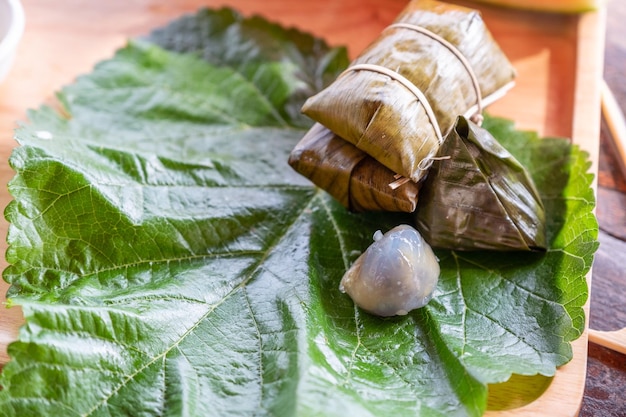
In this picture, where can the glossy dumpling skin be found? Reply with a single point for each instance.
(396, 274)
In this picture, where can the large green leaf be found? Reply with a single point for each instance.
(169, 262)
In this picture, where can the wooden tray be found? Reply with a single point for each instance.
(558, 59)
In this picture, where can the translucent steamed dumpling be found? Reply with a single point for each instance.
(396, 274)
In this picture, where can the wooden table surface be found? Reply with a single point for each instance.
(605, 390)
(104, 27)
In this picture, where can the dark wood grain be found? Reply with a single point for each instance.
(608, 291)
(605, 389)
(604, 393)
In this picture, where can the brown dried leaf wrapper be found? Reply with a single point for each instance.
(356, 180)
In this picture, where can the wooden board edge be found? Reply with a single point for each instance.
(564, 395)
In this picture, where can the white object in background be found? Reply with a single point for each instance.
(11, 30)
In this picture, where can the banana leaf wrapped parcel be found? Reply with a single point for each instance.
(399, 130)
(479, 196)
(351, 176)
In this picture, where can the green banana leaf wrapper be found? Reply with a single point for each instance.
(478, 196)
(382, 117)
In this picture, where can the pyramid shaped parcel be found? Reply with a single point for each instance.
(478, 196)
